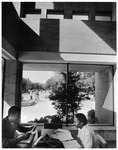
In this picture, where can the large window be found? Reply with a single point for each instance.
(56, 92)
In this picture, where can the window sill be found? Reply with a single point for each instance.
(72, 127)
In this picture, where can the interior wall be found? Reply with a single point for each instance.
(114, 12)
(12, 81)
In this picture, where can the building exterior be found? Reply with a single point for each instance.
(41, 35)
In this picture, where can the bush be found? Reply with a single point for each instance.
(91, 117)
(48, 119)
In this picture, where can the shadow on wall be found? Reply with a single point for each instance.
(48, 41)
(55, 37)
(25, 7)
(105, 30)
(23, 38)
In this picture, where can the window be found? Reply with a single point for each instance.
(39, 80)
(52, 16)
(56, 92)
(103, 16)
(3, 65)
(80, 17)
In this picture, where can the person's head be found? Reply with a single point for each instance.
(14, 114)
(80, 120)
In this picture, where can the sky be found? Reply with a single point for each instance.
(38, 76)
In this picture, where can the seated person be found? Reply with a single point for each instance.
(86, 136)
(10, 125)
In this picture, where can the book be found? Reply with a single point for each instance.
(71, 144)
(62, 135)
(31, 130)
(47, 131)
(43, 133)
(36, 142)
(62, 130)
(29, 140)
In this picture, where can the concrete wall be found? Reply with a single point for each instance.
(83, 6)
(87, 37)
(9, 28)
(104, 96)
(67, 35)
(66, 8)
(12, 82)
(114, 12)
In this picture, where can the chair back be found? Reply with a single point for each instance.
(102, 142)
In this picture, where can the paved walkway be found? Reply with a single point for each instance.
(42, 108)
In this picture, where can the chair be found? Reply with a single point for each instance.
(102, 142)
(52, 125)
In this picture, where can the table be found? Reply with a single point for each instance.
(72, 143)
(67, 143)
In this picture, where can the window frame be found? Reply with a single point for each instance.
(3, 82)
(113, 72)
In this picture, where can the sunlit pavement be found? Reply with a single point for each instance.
(44, 107)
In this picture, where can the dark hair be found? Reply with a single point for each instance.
(82, 118)
(14, 110)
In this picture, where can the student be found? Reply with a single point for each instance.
(37, 96)
(10, 124)
(86, 136)
(31, 95)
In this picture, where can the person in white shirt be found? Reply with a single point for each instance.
(86, 136)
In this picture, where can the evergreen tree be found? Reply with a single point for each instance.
(26, 85)
(65, 95)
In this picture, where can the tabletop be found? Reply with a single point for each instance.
(63, 135)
